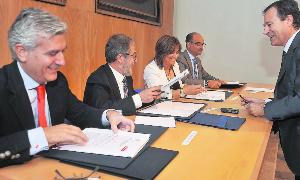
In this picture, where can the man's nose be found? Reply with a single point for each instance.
(60, 59)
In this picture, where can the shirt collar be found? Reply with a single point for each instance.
(288, 44)
(119, 77)
(28, 81)
(190, 55)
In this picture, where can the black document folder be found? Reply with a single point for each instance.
(146, 166)
(104, 160)
(218, 121)
(232, 86)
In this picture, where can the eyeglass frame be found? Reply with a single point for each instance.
(78, 178)
(198, 43)
(133, 55)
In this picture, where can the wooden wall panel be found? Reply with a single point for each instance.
(87, 35)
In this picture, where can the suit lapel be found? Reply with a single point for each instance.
(55, 101)
(19, 100)
(282, 68)
(112, 81)
(188, 61)
(130, 86)
(287, 61)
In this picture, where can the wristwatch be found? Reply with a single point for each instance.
(182, 94)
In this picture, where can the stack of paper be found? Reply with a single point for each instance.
(209, 95)
(171, 108)
(232, 82)
(254, 90)
(104, 141)
(155, 121)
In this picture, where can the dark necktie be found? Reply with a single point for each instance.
(283, 63)
(195, 70)
(41, 92)
(125, 87)
(283, 54)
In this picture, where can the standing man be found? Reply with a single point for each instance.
(34, 96)
(189, 60)
(111, 86)
(281, 25)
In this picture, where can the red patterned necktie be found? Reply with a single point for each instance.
(41, 91)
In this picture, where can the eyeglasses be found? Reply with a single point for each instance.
(199, 43)
(81, 177)
(133, 55)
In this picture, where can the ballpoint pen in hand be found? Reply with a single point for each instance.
(244, 100)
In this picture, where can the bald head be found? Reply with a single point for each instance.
(194, 43)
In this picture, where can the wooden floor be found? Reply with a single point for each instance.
(274, 166)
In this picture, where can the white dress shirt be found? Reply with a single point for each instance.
(154, 76)
(36, 136)
(288, 44)
(119, 78)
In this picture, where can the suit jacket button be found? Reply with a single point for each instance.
(17, 156)
(7, 153)
(2, 155)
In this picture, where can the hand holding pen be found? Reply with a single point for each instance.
(248, 100)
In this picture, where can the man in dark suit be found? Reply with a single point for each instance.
(189, 60)
(111, 86)
(35, 97)
(281, 25)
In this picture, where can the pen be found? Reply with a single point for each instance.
(243, 99)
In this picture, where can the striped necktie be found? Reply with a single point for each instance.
(195, 69)
(125, 87)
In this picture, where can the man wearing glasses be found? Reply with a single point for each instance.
(189, 60)
(111, 86)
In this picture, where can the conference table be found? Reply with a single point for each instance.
(212, 154)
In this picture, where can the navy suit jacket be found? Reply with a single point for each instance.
(102, 91)
(284, 110)
(16, 116)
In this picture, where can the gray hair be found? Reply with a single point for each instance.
(31, 25)
(117, 44)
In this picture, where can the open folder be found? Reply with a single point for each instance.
(232, 85)
(153, 158)
(171, 108)
(218, 121)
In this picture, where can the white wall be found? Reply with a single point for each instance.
(236, 48)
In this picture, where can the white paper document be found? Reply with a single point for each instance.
(155, 121)
(174, 80)
(104, 141)
(233, 82)
(172, 108)
(253, 89)
(209, 95)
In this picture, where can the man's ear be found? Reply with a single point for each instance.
(188, 44)
(21, 52)
(120, 58)
(289, 19)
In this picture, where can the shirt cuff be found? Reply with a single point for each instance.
(137, 100)
(267, 100)
(38, 140)
(104, 120)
